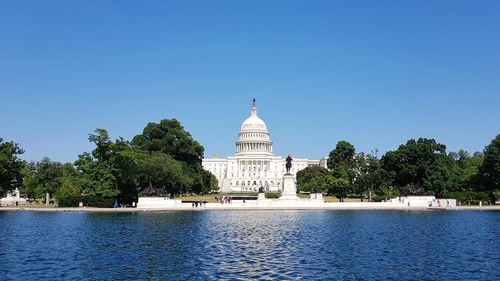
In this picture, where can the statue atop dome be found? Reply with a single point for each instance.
(254, 108)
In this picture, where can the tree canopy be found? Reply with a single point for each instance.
(10, 166)
(489, 172)
(313, 179)
(169, 137)
(163, 161)
(341, 160)
(419, 166)
(166, 161)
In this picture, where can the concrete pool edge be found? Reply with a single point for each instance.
(243, 208)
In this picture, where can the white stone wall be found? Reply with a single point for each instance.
(216, 166)
(157, 203)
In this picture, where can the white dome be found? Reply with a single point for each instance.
(254, 124)
(254, 137)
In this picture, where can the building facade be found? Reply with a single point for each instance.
(254, 165)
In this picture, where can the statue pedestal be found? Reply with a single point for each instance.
(262, 196)
(289, 188)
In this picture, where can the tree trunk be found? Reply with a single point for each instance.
(47, 198)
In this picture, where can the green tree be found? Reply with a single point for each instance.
(342, 164)
(95, 178)
(49, 176)
(160, 175)
(169, 137)
(98, 173)
(203, 181)
(103, 143)
(471, 170)
(10, 166)
(489, 172)
(30, 186)
(313, 179)
(465, 169)
(126, 173)
(338, 187)
(341, 160)
(214, 183)
(67, 189)
(163, 160)
(30, 181)
(69, 171)
(419, 167)
(370, 177)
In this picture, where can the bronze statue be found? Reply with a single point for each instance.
(288, 164)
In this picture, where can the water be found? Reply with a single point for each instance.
(250, 245)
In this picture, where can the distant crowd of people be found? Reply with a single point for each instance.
(224, 199)
(199, 204)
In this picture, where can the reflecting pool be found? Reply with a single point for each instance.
(250, 245)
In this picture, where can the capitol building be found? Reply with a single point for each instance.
(254, 165)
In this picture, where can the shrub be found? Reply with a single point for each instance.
(469, 197)
(273, 195)
(98, 202)
(69, 201)
(90, 201)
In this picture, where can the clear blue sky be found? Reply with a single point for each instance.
(375, 73)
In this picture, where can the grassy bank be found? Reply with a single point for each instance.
(210, 198)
